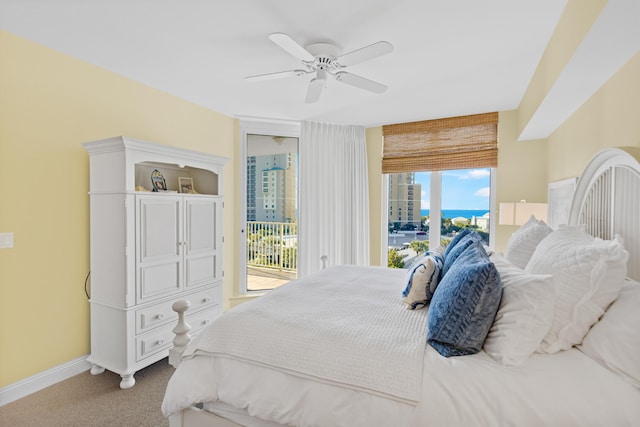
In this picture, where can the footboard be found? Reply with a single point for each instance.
(182, 338)
(190, 417)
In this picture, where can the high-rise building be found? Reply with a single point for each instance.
(271, 188)
(251, 188)
(404, 199)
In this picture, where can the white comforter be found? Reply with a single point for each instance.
(346, 325)
(564, 389)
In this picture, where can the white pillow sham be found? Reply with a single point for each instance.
(588, 275)
(524, 316)
(523, 242)
(614, 341)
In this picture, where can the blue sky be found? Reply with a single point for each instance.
(461, 189)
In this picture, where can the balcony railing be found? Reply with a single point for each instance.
(272, 245)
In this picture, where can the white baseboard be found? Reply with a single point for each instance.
(42, 380)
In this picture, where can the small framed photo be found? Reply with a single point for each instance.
(185, 185)
(157, 180)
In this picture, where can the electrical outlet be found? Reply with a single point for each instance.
(6, 240)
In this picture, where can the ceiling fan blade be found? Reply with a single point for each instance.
(366, 53)
(291, 46)
(271, 76)
(360, 82)
(316, 86)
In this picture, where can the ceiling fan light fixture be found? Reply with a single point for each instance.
(323, 58)
(321, 75)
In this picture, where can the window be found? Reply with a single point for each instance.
(464, 197)
(440, 173)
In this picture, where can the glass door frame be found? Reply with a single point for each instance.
(254, 126)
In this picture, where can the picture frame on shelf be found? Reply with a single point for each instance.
(185, 185)
(157, 181)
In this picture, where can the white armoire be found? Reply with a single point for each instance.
(150, 249)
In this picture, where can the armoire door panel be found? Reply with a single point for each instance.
(200, 226)
(200, 270)
(159, 279)
(159, 229)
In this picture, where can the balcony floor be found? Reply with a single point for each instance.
(265, 278)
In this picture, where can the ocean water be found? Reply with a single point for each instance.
(454, 213)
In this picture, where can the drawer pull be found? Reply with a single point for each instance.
(205, 322)
(205, 300)
(160, 316)
(160, 342)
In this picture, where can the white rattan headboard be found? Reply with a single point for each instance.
(607, 200)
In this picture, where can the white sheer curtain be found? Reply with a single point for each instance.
(334, 196)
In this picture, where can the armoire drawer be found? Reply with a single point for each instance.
(161, 338)
(203, 318)
(160, 314)
(153, 342)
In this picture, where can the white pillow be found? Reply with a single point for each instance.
(524, 316)
(588, 275)
(523, 242)
(615, 340)
(422, 278)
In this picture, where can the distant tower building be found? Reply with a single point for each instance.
(404, 199)
(271, 188)
(251, 188)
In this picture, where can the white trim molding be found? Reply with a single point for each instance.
(43, 380)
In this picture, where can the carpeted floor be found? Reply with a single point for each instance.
(87, 400)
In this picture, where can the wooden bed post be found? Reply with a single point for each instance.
(182, 338)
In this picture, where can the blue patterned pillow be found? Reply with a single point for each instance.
(452, 244)
(459, 243)
(464, 304)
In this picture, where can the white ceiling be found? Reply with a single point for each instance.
(450, 58)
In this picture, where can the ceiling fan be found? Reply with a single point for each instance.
(323, 59)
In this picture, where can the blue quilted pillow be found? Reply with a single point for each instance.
(459, 243)
(465, 303)
(461, 235)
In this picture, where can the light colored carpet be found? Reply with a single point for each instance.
(88, 400)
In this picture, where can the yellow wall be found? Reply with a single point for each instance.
(521, 173)
(49, 104)
(374, 162)
(610, 118)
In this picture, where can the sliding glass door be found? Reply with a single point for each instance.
(271, 231)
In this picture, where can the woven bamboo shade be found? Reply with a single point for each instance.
(465, 142)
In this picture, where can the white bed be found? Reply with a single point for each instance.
(380, 370)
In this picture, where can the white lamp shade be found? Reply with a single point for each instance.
(519, 213)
